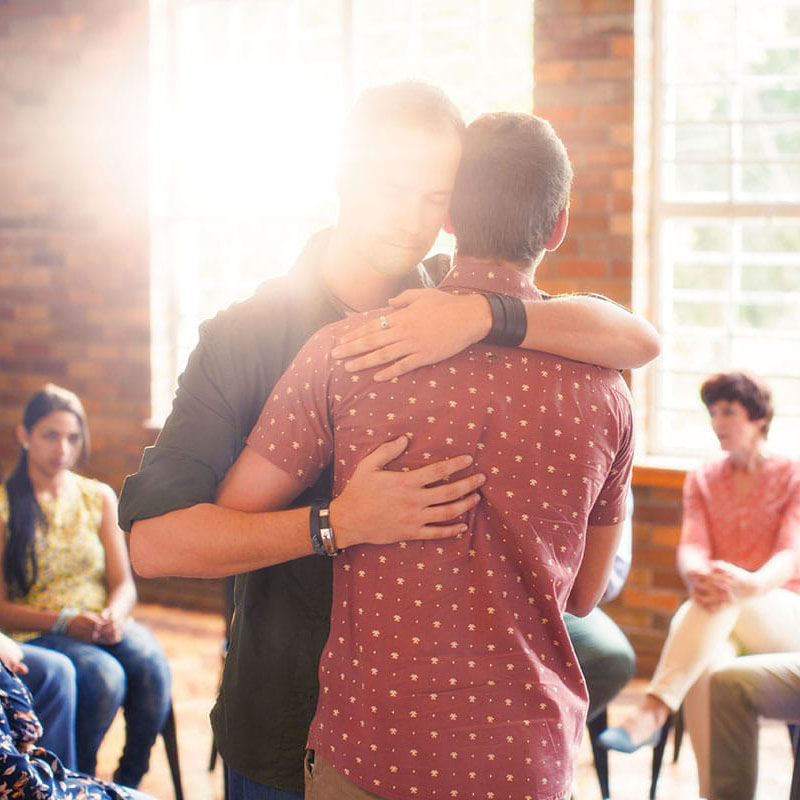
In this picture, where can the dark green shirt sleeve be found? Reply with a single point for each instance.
(200, 439)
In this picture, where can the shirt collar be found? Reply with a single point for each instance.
(488, 276)
(308, 262)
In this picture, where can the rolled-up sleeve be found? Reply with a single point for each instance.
(695, 533)
(204, 432)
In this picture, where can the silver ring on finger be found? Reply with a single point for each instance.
(384, 322)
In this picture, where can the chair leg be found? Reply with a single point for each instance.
(794, 733)
(212, 759)
(600, 754)
(658, 755)
(794, 792)
(170, 737)
(678, 739)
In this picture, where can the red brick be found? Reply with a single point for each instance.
(653, 599)
(663, 535)
(588, 202)
(555, 72)
(600, 7)
(622, 46)
(581, 135)
(555, 114)
(622, 135)
(622, 201)
(610, 112)
(607, 68)
(588, 223)
(583, 267)
(621, 268)
(622, 180)
(588, 47)
(621, 223)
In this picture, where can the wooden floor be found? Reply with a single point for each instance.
(192, 641)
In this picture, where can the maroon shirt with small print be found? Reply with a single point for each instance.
(448, 672)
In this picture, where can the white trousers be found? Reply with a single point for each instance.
(699, 642)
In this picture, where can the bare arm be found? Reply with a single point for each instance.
(119, 580)
(14, 617)
(237, 535)
(602, 542)
(429, 325)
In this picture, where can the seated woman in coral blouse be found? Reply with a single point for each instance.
(739, 556)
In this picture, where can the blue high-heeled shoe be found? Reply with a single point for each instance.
(619, 739)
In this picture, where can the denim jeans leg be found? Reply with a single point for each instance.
(146, 704)
(52, 682)
(101, 690)
(242, 788)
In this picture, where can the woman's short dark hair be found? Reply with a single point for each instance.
(513, 181)
(740, 387)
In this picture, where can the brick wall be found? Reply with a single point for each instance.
(74, 304)
(583, 78)
(74, 288)
(584, 84)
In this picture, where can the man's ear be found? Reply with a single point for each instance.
(559, 231)
(447, 225)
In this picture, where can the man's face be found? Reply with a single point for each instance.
(395, 194)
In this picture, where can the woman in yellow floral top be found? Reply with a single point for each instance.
(66, 584)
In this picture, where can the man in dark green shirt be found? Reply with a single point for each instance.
(400, 159)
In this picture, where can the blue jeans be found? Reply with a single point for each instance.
(241, 788)
(52, 682)
(134, 674)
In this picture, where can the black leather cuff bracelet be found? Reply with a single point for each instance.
(509, 320)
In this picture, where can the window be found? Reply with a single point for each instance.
(247, 99)
(726, 210)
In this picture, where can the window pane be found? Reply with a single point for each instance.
(772, 278)
(706, 315)
(771, 140)
(772, 101)
(696, 351)
(681, 389)
(694, 275)
(773, 61)
(685, 432)
(728, 143)
(786, 395)
(765, 236)
(698, 236)
(773, 316)
(776, 180)
(696, 104)
(433, 10)
(701, 178)
(696, 141)
(774, 356)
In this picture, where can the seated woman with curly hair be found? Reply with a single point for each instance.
(739, 556)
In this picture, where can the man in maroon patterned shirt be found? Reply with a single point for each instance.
(448, 672)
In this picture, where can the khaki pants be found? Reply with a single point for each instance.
(700, 641)
(323, 782)
(749, 688)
